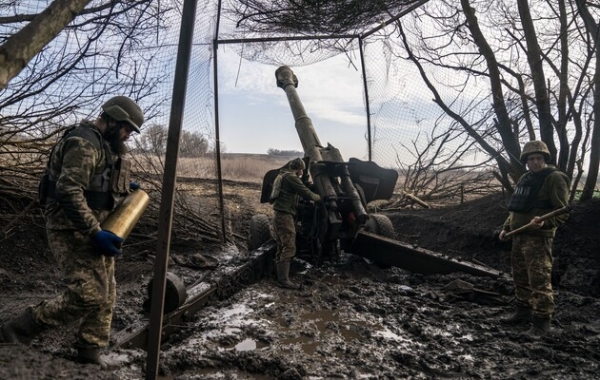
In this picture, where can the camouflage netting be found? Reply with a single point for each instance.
(131, 48)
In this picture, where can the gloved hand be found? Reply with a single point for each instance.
(134, 186)
(502, 236)
(108, 243)
(316, 198)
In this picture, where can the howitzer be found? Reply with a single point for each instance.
(341, 221)
(344, 187)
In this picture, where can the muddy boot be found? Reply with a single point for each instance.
(283, 275)
(21, 329)
(523, 314)
(93, 355)
(540, 327)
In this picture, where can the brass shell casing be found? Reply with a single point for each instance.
(122, 220)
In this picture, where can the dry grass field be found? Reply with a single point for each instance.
(234, 167)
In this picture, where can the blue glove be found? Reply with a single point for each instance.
(108, 244)
(134, 186)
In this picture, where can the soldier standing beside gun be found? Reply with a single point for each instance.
(539, 191)
(85, 179)
(287, 188)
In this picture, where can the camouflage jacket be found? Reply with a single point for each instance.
(291, 189)
(84, 189)
(554, 192)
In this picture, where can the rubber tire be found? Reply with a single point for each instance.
(260, 231)
(381, 225)
(175, 293)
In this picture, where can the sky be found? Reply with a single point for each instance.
(254, 114)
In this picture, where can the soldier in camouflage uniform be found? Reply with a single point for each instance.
(287, 188)
(85, 179)
(539, 191)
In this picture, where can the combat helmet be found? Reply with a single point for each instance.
(122, 108)
(297, 164)
(535, 146)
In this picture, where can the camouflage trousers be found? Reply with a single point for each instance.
(91, 289)
(284, 230)
(531, 258)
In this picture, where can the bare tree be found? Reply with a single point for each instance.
(108, 49)
(193, 144)
(593, 31)
(154, 140)
(20, 48)
(438, 169)
(552, 89)
(526, 64)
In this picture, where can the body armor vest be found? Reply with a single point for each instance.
(525, 196)
(99, 192)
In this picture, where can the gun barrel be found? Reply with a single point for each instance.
(313, 148)
(304, 126)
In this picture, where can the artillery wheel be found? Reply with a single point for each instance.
(260, 231)
(175, 293)
(381, 225)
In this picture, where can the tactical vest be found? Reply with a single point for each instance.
(100, 194)
(276, 191)
(525, 196)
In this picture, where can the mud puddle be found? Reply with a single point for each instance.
(353, 320)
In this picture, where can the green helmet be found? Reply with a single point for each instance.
(535, 146)
(122, 108)
(297, 164)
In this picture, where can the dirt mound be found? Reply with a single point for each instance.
(470, 231)
(350, 320)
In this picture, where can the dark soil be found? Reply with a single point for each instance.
(350, 320)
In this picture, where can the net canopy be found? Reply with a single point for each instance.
(356, 80)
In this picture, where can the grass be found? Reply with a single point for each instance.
(595, 195)
(235, 167)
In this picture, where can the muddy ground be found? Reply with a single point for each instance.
(350, 320)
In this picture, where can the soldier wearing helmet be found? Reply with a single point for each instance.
(124, 110)
(533, 147)
(287, 189)
(86, 177)
(542, 189)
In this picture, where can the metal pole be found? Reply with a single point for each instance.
(168, 187)
(217, 129)
(367, 100)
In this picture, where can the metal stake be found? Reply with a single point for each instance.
(168, 187)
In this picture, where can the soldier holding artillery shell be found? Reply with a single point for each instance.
(85, 179)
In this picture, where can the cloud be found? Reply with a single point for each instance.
(329, 90)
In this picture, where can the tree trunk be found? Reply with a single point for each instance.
(562, 104)
(20, 48)
(510, 142)
(592, 177)
(534, 58)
